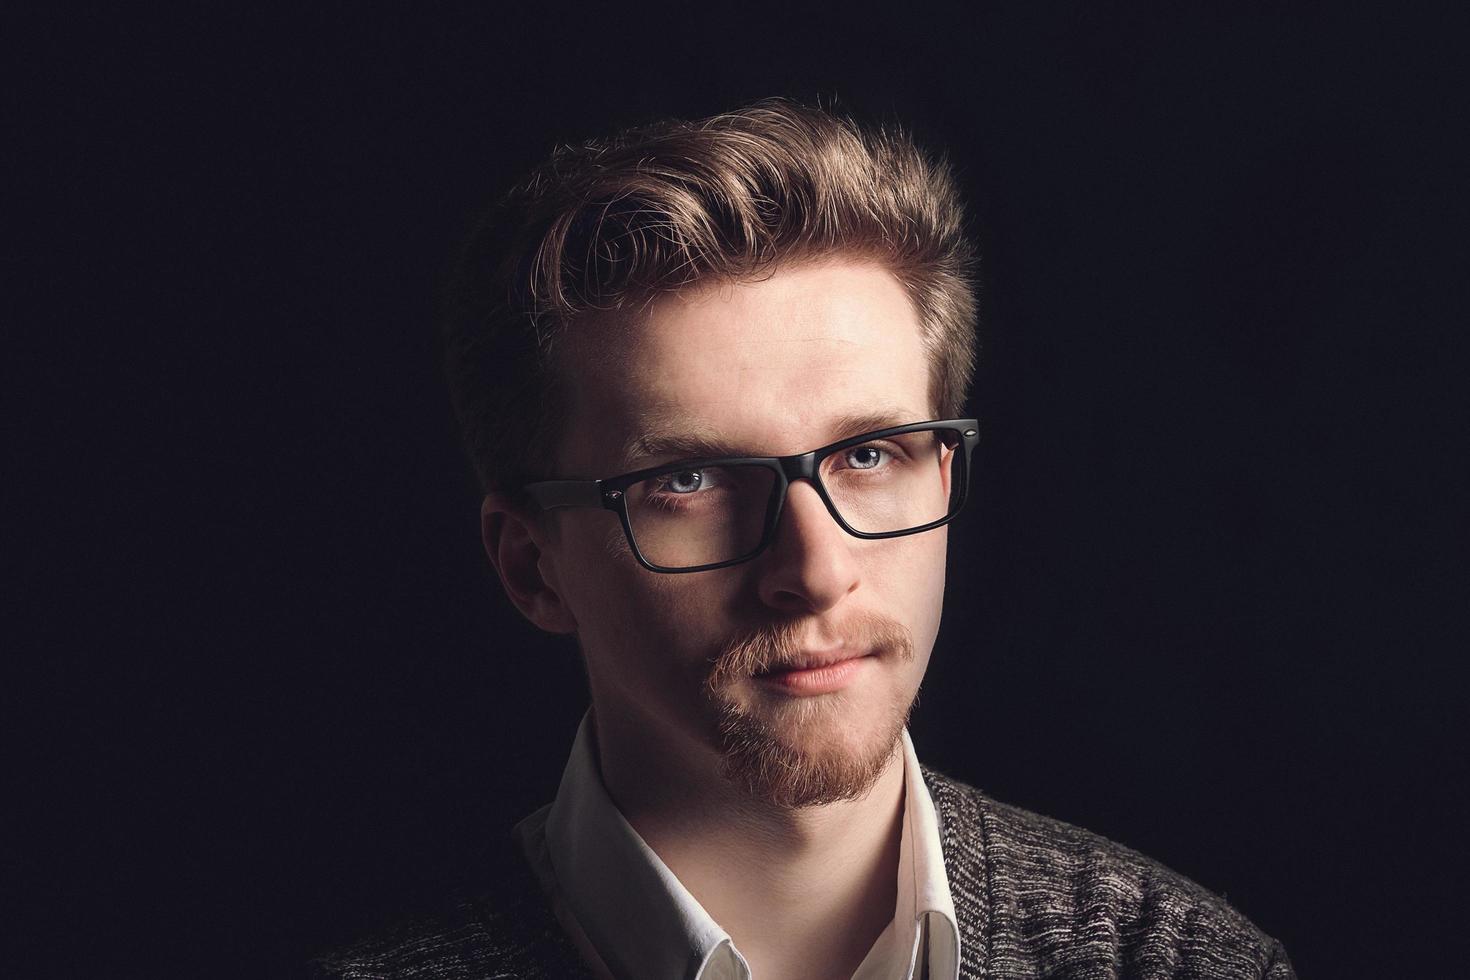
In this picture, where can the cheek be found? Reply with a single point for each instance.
(937, 564)
(593, 577)
(639, 629)
(912, 564)
(912, 583)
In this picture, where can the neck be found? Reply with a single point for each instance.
(802, 892)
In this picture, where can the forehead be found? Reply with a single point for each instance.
(764, 368)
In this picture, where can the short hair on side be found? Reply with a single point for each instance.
(608, 226)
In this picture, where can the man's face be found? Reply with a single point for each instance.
(816, 353)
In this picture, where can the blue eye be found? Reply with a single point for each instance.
(864, 457)
(685, 482)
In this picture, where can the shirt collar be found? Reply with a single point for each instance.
(638, 916)
(921, 874)
(643, 922)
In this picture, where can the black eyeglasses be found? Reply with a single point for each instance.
(696, 515)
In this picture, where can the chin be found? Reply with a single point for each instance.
(801, 752)
(806, 736)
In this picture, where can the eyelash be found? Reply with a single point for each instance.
(896, 454)
(669, 503)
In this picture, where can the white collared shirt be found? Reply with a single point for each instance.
(634, 920)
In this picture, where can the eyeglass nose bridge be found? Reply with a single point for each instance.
(802, 466)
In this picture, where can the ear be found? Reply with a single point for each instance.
(516, 544)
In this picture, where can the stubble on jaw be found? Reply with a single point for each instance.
(794, 753)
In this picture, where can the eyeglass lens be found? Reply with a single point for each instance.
(714, 514)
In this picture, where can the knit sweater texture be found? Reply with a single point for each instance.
(1035, 898)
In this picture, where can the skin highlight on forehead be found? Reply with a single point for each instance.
(745, 369)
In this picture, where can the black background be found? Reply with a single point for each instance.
(1205, 601)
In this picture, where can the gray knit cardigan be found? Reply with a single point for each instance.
(1035, 898)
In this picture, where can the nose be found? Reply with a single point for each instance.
(810, 565)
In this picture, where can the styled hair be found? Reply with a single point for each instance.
(608, 226)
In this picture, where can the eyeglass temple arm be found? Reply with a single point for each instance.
(552, 494)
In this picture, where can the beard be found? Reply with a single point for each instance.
(795, 752)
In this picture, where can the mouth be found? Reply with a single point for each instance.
(817, 673)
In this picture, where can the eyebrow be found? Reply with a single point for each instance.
(704, 444)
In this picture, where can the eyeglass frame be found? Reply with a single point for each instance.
(609, 493)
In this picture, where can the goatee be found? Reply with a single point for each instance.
(794, 752)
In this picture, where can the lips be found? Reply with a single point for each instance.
(814, 674)
(813, 661)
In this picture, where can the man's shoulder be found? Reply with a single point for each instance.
(1034, 896)
(1039, 897)
(509, 933)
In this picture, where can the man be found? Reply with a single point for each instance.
(712, 376)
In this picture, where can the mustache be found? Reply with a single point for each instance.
(777, 645)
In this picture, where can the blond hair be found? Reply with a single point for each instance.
(610, 225)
